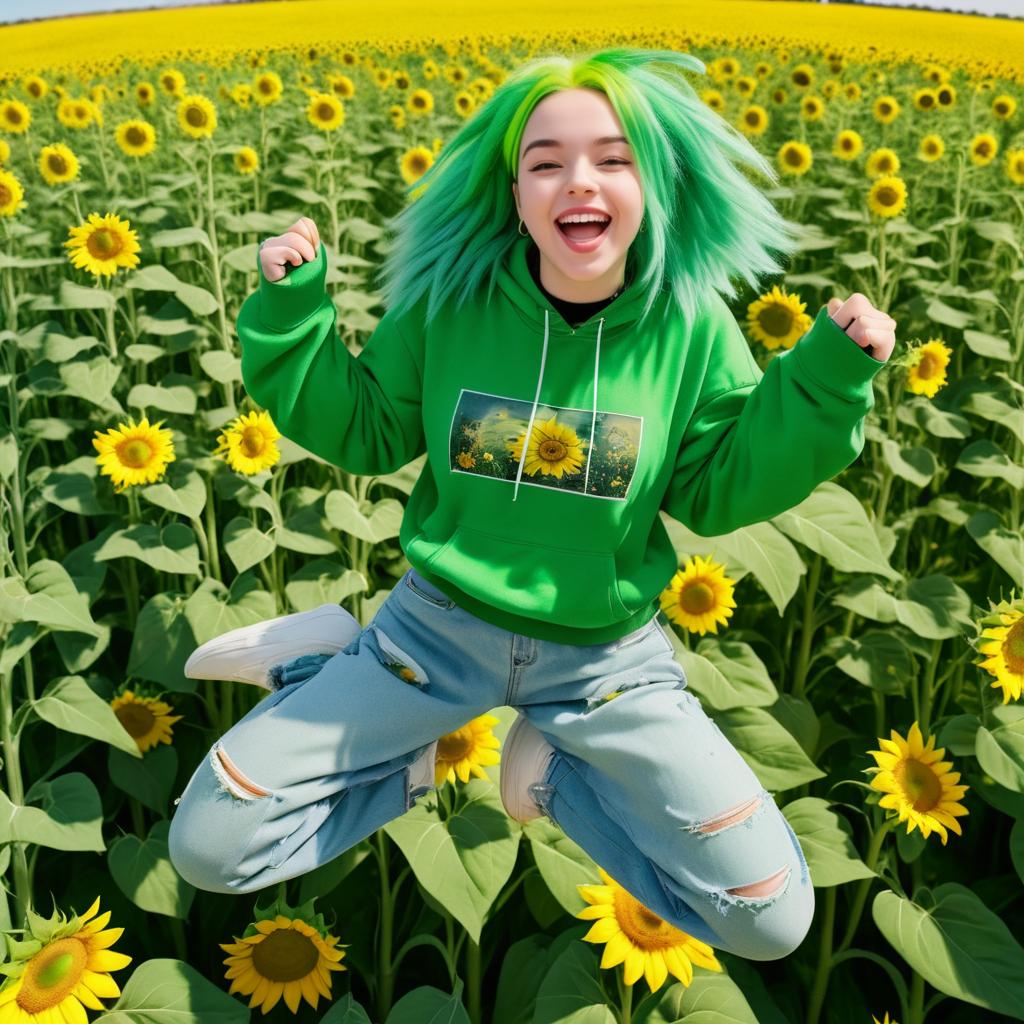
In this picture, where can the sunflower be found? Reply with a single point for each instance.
(465, 104)
(283, 955)
(554, 449)
(397, 115)
(145, 94)
(1003, 106)
(12, 195)
(983, 149)
(888, 196)
(103, 245)
(1015, 165)
(636, 937)
(699, 596)
(35, 86)
(461, 754)
(249, 443)
(76, 113)
(848, 145)
(15, 117)
(802, 76)
(247, 160)
(713, 99)
(63, 973)
(794, 157)
(342, 86)
(875, 1020)
(1003, 629)
(415, 163)
(267, 88)
(421, 101)
(852, 91)
(931, 149)
(779, 97)
(146, 720)
(811, 108)
(917, 784)
(197, 116)
(134, 453)
(325, 111)
(927, 372)
(777, 318)
(926, 99)
(947, 95)
(136, 137)
(172, 81)
(753, 120)
(886, 109)
(746, 85)
(882, 161)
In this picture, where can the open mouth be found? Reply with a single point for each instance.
(585, 231)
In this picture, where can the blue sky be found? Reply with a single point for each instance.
(12, 10)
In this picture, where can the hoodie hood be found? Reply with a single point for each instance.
(610, 323)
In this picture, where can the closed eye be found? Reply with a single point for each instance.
(610, 160)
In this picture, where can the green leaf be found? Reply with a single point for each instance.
(171, 549)
(1000, 752)
(985, 459)
(463, 862)
(148, 779)
(938, 311)
(726, 673)
(1004, 547)
(177, 238)
(833, 523)
(1000, 232)
(222, 366)
(245, 545)
(80, 296)
(935, 607)
(571, 990)
(957, 945)
(93, 382)
(827, 841)
(997, 408)
(916, 464)
(773, 754)
(424, 1003)
(323, 581)
(68, 703)
(213, 609)
(143, 871)
(182, 492)
(990, 346)
(373, 523)
(164, 991)
(181, 399)
(70, 816)
(162, 643)
(48, 596)
(877, 660)
(76, 487)
(305, 529)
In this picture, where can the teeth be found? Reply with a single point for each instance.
(583, 218)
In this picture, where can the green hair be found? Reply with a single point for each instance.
(706, 222)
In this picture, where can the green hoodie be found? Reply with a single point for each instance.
(566, 544)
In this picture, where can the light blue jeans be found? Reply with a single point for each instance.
(644, 782)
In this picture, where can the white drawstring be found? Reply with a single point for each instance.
(536, 399)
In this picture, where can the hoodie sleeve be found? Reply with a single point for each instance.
(363, 412)
(758, 443)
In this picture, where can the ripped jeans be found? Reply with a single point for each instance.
(642, 779)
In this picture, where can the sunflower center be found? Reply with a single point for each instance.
(253, 442)
(551, 450)
(285, 955)
(775, 320)
(136, 718)
(5, 195)
(887, 196)
(135, 453)
(135, 136)
(104, 244)
(47, 983)
(1013, 648)
(697, 597)
(928, 366)
(195, 116)
(57, 163)
(983, 149)
(453, 746)
(793, 157)
(920, 784)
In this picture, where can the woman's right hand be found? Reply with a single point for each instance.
(300, 242)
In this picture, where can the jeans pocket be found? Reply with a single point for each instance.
(635, 636)
(426, 591)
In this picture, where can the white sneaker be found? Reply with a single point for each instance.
(246, 654)
(422, 771)
(524, 760)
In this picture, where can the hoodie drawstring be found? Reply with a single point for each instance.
(536, 399)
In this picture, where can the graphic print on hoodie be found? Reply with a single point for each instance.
(551, 450)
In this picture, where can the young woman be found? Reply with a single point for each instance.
(557, 343)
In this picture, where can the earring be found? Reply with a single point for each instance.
(521, 231)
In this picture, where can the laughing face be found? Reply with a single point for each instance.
(573, 157)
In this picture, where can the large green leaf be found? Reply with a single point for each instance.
(150, 779)
(373, 522)
(1000, 752)
(162, 642)
(935, 607)
(171, 549)
(774, 755)
(245, 545)
(463, 862)
(182, 491)
(70, 816)
(322, 581)
(726, 673)
(827, 841)
(68, 703)
(984, 458)
(48, 595)
(957, 945)
(1004, 547)
(79, 487)
(212, 608)
(143, 871)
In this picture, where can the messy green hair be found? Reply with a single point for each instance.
(706, 222)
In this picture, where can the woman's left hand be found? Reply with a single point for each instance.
(872, 329)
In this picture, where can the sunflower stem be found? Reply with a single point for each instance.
(807, 630)
(211, 531)
(864, 885)
(473, 980)
(385, 966)
(625, 996)
(138, 818)
(929, 682)
(816, 1000)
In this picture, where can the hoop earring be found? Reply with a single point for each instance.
(520, 229)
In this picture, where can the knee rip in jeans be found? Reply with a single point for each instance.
(756, 894)
(231, 779)
(392, 657)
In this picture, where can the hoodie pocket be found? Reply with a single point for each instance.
(573, 588)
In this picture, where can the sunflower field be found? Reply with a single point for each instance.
(863, 651)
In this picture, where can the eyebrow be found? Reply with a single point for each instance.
(603, 141)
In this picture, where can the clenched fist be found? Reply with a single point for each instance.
(872, 329)
(300, 242)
